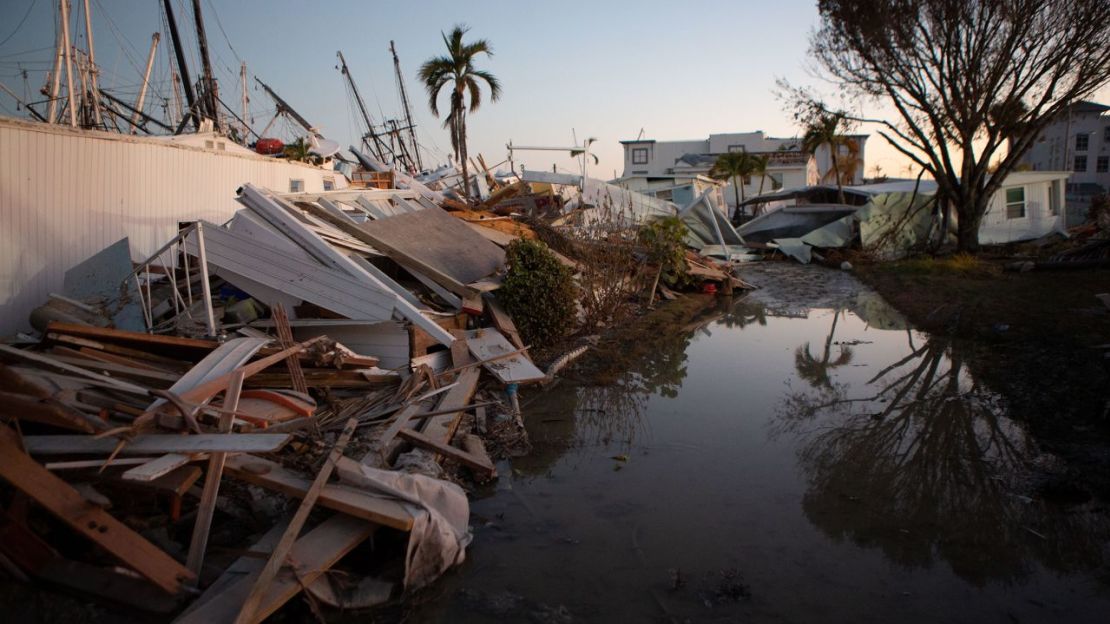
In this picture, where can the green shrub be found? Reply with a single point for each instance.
(664, 240)
(538, 293)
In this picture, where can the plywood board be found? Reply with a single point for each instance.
(154, 443)
(490, 343)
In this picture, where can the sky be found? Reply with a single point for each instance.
(611, 70)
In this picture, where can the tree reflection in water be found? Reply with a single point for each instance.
(927, 468)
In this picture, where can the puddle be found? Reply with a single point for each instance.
(799, 455)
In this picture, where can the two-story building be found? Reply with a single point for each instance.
(1078, 140)
(789, 166)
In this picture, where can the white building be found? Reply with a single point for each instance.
(789, 166)
(66, 194)
(1077, 141)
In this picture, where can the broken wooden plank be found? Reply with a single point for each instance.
(199, 540)
(50, 362)
(345, 499)
(314, 554)
(441, 429)
(473, 445)
(47, 411)
(277, 559)
(157, 443)
(130, 337)
(155, 468)
(68, 505)
(448, 451)
(502, 321)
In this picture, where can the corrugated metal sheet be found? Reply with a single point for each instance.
(66, 194)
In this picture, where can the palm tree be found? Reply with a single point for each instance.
(825, 130)
(457, 69)
(735, 166)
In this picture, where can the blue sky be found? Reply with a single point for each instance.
(599, 69)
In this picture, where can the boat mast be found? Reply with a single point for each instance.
(69, 62)
(244, 99)
(182, 66)
(146, 82)
(378, 147)
(211, 93)
(55, 83)
(405, 104)
(94, 88)
(284, 107)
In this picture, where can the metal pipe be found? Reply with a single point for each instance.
(146, 82)
(69, 62)
(206, 288)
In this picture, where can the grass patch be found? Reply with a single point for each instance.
(961, 264)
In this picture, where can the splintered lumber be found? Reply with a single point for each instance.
(67, 504)
(155, 468)
(50, 362)
(351, 501)
(207, 507)
(313, 555)
(441, 429)
(46, 411)
(249, 611)
(285, 335)
(157, 443)
(129, 337)
(503, 322)
(448, 451)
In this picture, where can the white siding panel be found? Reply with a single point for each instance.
(65, 195)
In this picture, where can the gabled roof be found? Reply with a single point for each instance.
(1086, 106)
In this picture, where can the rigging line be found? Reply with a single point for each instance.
(220, 25)
(25, 15)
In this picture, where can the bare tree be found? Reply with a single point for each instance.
(973, 82)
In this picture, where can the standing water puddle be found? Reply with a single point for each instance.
(799, 456)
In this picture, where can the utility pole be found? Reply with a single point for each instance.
(182, 66)
(211, 94)
(405, 104)
(94, 87)
(378, 147)
(69, 63)
(146, 82)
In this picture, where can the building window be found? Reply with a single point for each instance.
(639, 156)
(736, 148)
(1106, 134)
(296, 186)
(329, 184)
(1054, 198)
(1102, 165)
(776, 181)
(221, 146)
(1081, 142)
(1080, 163)
(209, 144)
(667, 194)
(1015, 203)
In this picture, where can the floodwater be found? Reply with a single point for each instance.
(800, 455)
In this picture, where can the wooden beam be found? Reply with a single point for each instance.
(348, 500)
(50, 362)
(247, 613)
(157, 443)
(46, 411)
(199, 541)
(134, 338)
(285, 335)
(67, 504)
(441, 429)
(448, 451)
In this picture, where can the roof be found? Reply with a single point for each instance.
(1086, 106)
(627, 141)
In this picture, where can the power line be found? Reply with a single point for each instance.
(25, 16)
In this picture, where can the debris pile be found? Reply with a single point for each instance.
(321, 368)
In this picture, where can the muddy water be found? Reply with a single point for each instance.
(800, 455)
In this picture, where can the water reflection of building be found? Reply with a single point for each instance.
(924, 465)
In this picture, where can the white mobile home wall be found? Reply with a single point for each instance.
(1039, 220)
(65, 194)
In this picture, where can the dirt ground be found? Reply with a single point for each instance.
(1035, 337)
